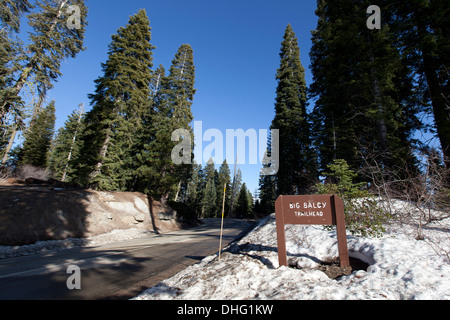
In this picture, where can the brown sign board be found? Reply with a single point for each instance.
(311, 210)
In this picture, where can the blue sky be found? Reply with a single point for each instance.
(236, 53)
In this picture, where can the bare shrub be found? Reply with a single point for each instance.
(5, 173)
(424, 196)
(29, 171)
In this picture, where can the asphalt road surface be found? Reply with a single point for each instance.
(119, 270)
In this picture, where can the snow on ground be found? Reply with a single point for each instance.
(44, 246)
(401, 267)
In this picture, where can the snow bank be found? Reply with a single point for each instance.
(401, 267)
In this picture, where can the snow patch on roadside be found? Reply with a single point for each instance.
(401, 267)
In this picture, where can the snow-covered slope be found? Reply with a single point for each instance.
(401, 267)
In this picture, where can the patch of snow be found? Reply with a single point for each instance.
(401, 267)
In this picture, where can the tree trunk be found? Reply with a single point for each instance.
(178, 191)
(9, 146)
(73, 143)
(103, 151)
(441, 110)
(382, 128)
(164, 198)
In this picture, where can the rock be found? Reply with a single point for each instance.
(109, 215)
(140, 205)
(139, 217)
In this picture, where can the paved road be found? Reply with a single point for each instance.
(119, 270)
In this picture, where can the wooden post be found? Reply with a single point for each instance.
(338, 210)
(281, 241)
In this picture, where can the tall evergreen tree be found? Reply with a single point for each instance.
(10, 54)
(267, 194)
(223, 179)
(194, 192)
(51, 41)
(267, 186)
(421, 28)
(36, 147)
(209, 208)
(120, 100)
(363, 107)
(171, 111)
(297, 159)
(10, 13)
(244, 207)
(235, 189)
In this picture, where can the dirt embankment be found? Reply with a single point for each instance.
(34, 211)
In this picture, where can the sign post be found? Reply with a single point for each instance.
(311, 210)
(223, 212)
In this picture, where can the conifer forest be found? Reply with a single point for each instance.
(378, 84)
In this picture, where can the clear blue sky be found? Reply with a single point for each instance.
(236, 53)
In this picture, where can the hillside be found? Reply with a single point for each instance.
(36, 211)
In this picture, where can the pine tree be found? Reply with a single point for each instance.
(297, 159)
(209, 208)
(193, 189)
(179, 93)
(11, 11)
(120, 100)
(51, 41)
(171, 111)
(421, 30)
(235, 189)
(267, 186)
(10, 14)
(38, 139)
(10, 54)
(244, 207)
(223, 179)
(66, 146)
(251, 205)
(267, 194)
(363, 108)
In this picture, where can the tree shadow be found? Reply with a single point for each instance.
(46, 277)
(39, 212)
(152, 214)
(249, 247)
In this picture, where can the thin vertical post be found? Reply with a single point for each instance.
(281, 240)
(338, 211)
(223, 213)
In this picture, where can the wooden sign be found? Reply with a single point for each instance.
(308, 210)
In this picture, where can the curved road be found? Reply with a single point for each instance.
(119, 270)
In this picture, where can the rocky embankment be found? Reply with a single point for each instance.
(33, 211)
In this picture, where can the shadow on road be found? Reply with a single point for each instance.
(47, 277)
(116, 271)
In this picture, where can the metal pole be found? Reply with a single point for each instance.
(223, 212)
